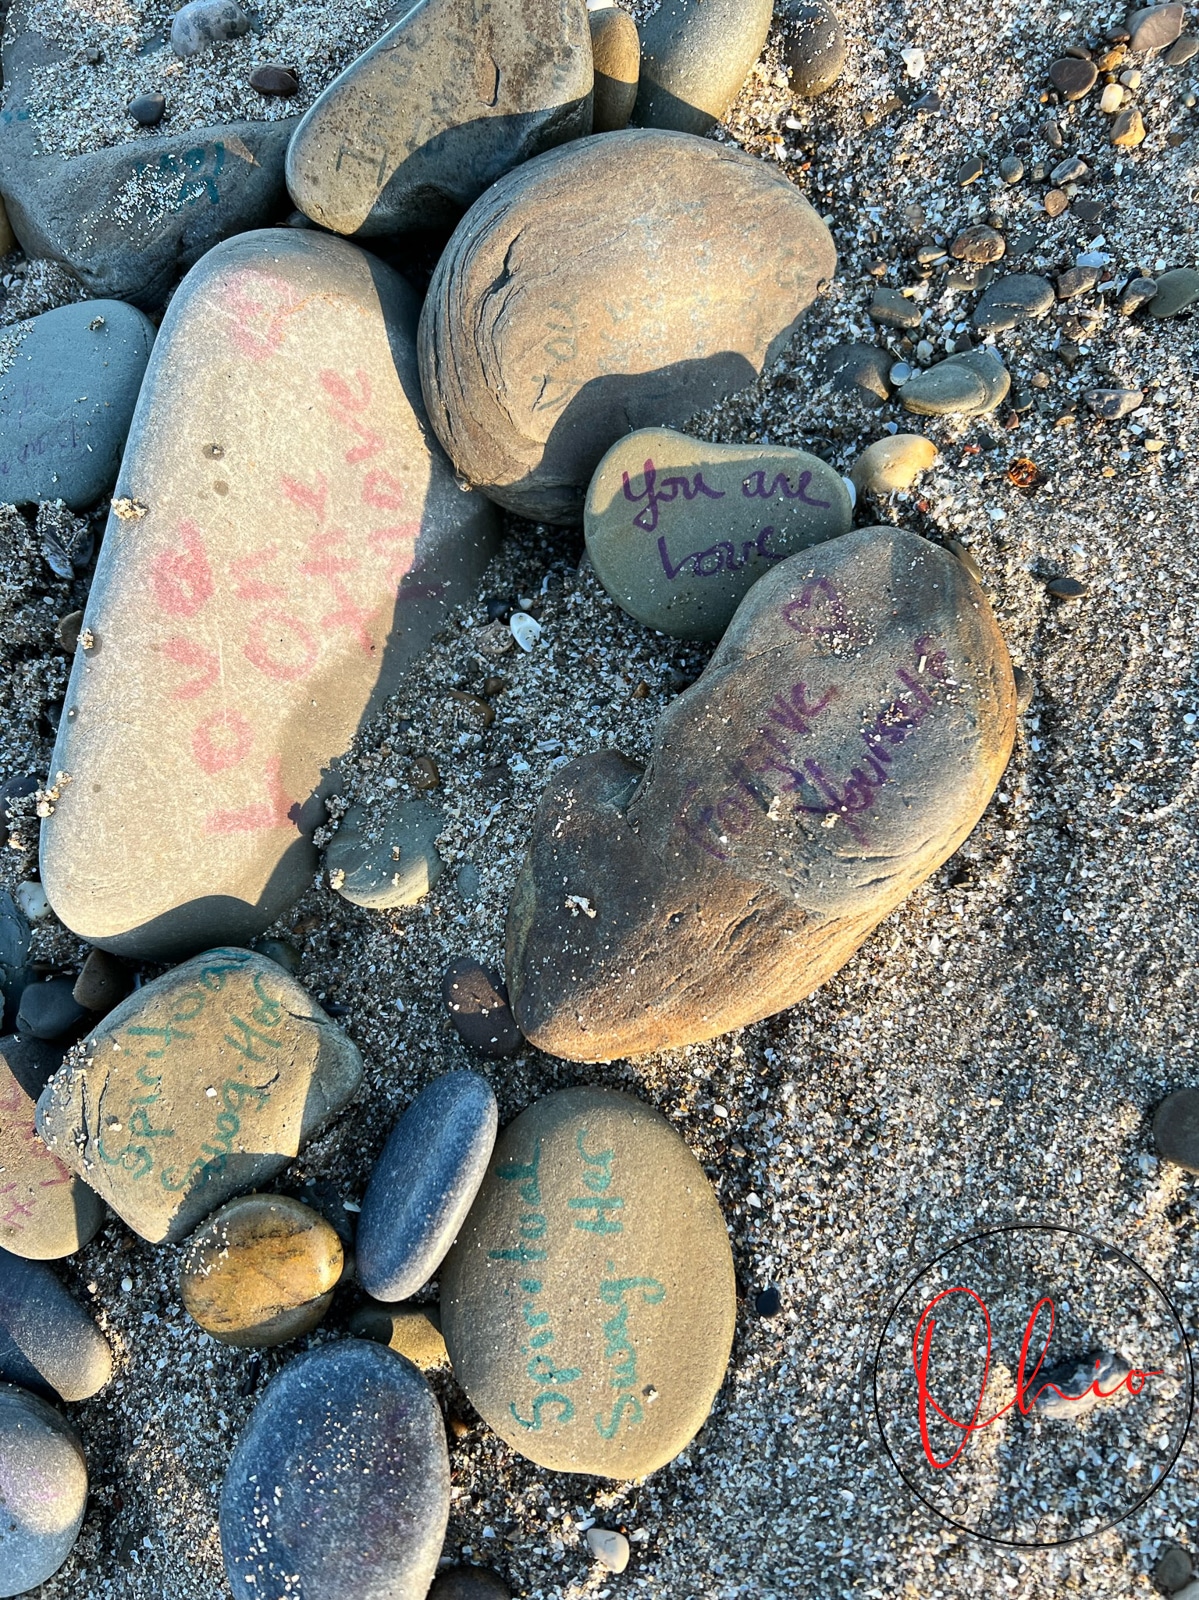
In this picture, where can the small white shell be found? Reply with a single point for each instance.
(31, 898)
(526, 630)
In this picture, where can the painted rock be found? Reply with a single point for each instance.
(339, 1488)
(47, 1340)
(202, 1084)
(616, 55)
(695, 55)
(589, 1303)
(387, 863)
(678, 530)
(43, 1490)
(551, 329)
(842, 742)
(411, 1331)
(66, 399)
(261, 1271)
(423, 1184)
(45, 1211)
(258, 595)
(457, 93)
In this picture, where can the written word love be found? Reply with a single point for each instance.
(1028, 1392)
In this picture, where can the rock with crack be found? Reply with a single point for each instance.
(204, 1083)
(841, 744)
(454, 95)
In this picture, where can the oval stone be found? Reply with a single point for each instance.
(597, 1229)
(43, 1490)
(423, 1184)
(695, 56)
(47, 1340)
(261, 1271)
(45, 1211)
(961, 385)
(454, 95)
(678, 529)
(259, 592)
(616, 55)
(388, 864)
(339, 1488)
(890, 465)
(201, 1084)
(553, 326)
(841, 744)
(68, 387)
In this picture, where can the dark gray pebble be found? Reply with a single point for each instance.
(1019, 297)
(49, 1010)
(813, 48)
(1075, 281)
(468, 1583)
(43, 1491)
(969, 171)
(1176, 1129)
(1026, 687)
(274, 79)
(1073, 78)
(1154, 27)
(1183, 50)
(1066, 588)
(1111, 404)
(859, 369)
(894, 310)
(103, 983)
(1172, 1569)
(1011, 169)
(148, 109)
(1137, 293)
(768, 1301)
(478, 1005)
(47, 1340)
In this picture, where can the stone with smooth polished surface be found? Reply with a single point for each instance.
(891, 465)
(961, 385)
(48, 1342)
(46, 1212)
(695, 56)
(43, 1491)
(202, 1084)
(260, 591)
(552, 328)
(381, 863)
(616, 54)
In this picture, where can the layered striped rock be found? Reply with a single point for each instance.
(286, 538)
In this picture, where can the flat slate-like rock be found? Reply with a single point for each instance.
(45, 1211)
(339, 1488)
(381, 864)
(129, 218)
(695, 56)
(423, 1184)
(66, 399)
(841, 744)
(1177, 290)
(1176, 1129)
(47, 1340)
(552, 327)
(859, 369)
(202, 1084)
(449, 99)
(43, 1491)
(678, 529)
(261, 1270)
(260, 592)
(1019, 297)
(589, 1303)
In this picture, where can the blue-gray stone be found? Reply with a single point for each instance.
(695, 56)
(43, 1490)
(385, 864)
(66, 400)
(424, 1184)
(49, 1010)
(15, 939)
(339, 1489)
(47, 1340)
(206, 22)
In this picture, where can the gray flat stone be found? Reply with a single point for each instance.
(1177, 290)
(45, 1211)
(48, 1342)
(1017, 298)
(43, 1491)
(894, 310)
(695, 56)
(447, 101)
(260, 592)
(469, 1583)
(339, 1488)
(1176, 1129)
(548, 334)
(678, 530)
(387, 862)
(66, 400)
(1154, 27)
(1111, 404)
(963, 385)
(859, 369)
(204, 1083)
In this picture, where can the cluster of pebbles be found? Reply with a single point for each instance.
(569, 851)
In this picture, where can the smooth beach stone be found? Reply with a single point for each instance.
(616, 57)
(43, 1490)
(841, 744)
(477, 1001)
(1176, 1129)
(1073, 78)
(423, 1184)
(103, 983)
(396, 867)
(551, 328)
(202, 1084)
(411, 1331)
(259, 594)
(45, 1211)
(695, 56)
(66, 399)
(1154, 27)
(813, 47)
(455, 94)
(1177, 290)
(261, 1270)
(891, 465)
(679, 529)
(147, 110)
(8, 239)
(469, 1583)
(961, 385)
(48, 1342)
(202, 23)
(859, 369)
(596, 1227)
(49, 1010)
(16, 936)
(893, 309)
(1020, 297)
(339, 1488)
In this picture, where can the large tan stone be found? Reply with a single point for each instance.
(624, 281)
(841, 744)
(45, 1211)
(286, 538)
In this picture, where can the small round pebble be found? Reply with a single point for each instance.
(479, 1009)
(261, 1271)
(1172, 1569)
(1111, 99)
(468, 1583)
(979, 244)
(424, 1183)
(43, 1490)
(768, 1301)
(31, 898)
(888, 466)
(813, 48)
(1055, 202)
(49, 1010)
(970, 171)
(616, 53)
(1176, 1129)
(148, 109)
(273, 79)
(1065, 588)
(206, 22)
(1073, 78)
(610, 1549)
(1011, 169)
(1128, 129)
(894, 310)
